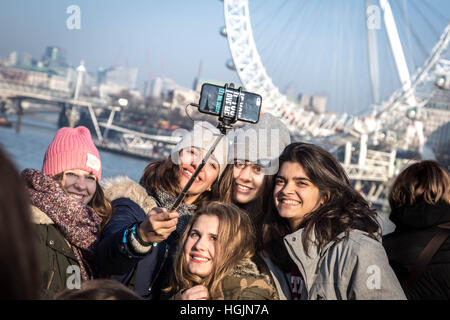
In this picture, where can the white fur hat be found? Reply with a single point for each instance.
(203, 136)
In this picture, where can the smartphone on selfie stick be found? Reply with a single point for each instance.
(230, 105)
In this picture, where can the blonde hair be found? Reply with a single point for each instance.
(426, 180)
(235, 242)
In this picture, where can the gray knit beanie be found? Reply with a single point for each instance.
(261, 143)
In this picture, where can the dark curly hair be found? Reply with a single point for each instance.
(343, 208)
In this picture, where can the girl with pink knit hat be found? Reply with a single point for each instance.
(68, 209)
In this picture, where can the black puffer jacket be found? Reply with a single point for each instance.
(415, 227)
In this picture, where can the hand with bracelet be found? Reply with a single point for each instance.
(157, 225)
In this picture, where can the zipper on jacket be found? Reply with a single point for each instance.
(52, 274)
(166, 253)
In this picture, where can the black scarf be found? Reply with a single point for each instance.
(420, 215)
(165, 200)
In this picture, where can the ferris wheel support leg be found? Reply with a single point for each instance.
(396, 46)
(373, 54)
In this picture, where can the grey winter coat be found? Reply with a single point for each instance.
(355, 268)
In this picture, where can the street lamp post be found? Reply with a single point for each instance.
(74, 112)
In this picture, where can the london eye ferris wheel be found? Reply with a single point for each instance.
(374, 57)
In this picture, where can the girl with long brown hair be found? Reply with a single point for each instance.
(321, 238)
(214, 258)
(254, 162)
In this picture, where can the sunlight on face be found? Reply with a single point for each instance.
(294, 194)
(79, 185)
(200, 246)
(191, 158)
(248, 181)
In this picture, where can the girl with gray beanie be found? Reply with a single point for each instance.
(138, 244)
(253, 162)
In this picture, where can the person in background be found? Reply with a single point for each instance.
(138, 244)
(214, 258)
(68, 209)
(420, 210)
(99, 289)
(321, 239)
(19, 267)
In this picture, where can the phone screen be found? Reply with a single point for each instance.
(213, 97)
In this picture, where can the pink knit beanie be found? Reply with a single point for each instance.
(72, 149)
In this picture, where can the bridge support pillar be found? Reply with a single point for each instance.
(19, 115)
(2, 106)
(63, 120)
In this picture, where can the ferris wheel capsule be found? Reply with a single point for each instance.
(230, 64)
(416, 114)
(223, 31)
(443, 82)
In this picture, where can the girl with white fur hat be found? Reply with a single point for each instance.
(138, 244)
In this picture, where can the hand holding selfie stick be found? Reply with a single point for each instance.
(223, 126)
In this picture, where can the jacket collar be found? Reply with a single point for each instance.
(307, 264)
(54, 239)
(39, 217)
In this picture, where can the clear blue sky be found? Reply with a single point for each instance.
(317, 46)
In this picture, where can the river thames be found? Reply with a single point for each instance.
(27, 148)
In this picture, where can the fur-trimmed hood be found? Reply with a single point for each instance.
(39, 217)
(245, 281)
(124, 187)
(246, 268)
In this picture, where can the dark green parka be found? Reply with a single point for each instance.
(245, 282)
(58, 263)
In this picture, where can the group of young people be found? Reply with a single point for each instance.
(264, 219)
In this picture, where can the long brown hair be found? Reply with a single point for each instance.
(343, 208)
(164, 175)
(426, 180)
(225, 184)
(99, 202)
(235, 242)
(19, 267)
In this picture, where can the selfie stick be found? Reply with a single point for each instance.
(225, 123)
